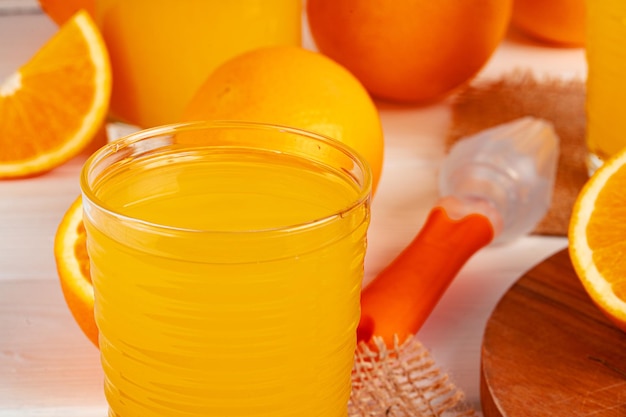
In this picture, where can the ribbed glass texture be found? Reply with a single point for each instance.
(227, 274)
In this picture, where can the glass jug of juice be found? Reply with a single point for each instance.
(161, 51)
(606, 82)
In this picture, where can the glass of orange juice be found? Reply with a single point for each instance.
(227, 260)
(606, 79)
(162, 50)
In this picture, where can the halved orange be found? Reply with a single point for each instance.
(597, 238)
(52, 107)
(70, 253)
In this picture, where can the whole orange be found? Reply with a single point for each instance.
(553, 21)
(61, 10)
(409, 50)
(295, 87)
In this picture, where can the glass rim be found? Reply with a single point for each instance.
(126, 141)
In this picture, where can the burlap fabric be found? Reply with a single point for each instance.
(487, 103)
(403, 382)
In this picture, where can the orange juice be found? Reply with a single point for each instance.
(227, 278)
(606, 79)
(161, 51)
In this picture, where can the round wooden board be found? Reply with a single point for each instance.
(548, 351)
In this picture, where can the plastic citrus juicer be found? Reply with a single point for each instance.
(495, 186)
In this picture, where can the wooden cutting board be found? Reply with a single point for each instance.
(548, 351)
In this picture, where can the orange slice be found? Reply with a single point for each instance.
(597, 243)
(70, 253)
(52, 107)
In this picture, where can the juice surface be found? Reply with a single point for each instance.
(162, 51)
(225, 311)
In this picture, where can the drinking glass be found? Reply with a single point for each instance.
(227, 262)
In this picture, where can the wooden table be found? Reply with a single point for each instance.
(48, 368)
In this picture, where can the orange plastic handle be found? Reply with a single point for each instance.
(400, 299)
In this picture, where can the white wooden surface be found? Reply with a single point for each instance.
(47, 367)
